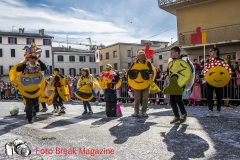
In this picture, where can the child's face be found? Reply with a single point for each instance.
(197, 76)
(168, 78)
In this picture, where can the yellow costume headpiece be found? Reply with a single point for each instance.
(33, 51)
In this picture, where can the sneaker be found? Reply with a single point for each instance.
(175, 120)
(210, 113)
(145, 115)
(84, 113)
(135, 114)
(62, 108)
(90, 113)
(217, 114)
(44, 110)
(54, 111)
(183, 118)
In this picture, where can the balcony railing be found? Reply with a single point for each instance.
(162, 3)
(214, 35)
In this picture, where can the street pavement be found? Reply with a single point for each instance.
(125, 137)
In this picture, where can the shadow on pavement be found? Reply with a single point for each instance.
(65, 122)
(129, 127)
(184, 145)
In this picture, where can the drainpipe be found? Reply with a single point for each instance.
(52, 56)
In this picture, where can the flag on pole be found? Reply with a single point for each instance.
(97, 55)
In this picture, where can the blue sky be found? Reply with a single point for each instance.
(104, 21)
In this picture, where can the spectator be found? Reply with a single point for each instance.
(195, 97)
(197, 66)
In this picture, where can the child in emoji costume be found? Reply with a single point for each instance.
(139, 78)
(28, 78)
(107, 77)
(62, 90)
(182, 73)
(85, 87)
(217, 74)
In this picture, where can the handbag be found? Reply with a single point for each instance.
(119, 111)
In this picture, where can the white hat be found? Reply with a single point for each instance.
(141, 52)
(109, 65)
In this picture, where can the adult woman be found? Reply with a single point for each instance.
(85, 90)
(214, 54)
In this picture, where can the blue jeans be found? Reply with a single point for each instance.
(86, 105)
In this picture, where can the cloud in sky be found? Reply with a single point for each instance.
(106, 22)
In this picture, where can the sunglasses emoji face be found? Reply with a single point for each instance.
(138, 76)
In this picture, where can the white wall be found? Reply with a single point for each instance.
(66, 64)
(6, 60)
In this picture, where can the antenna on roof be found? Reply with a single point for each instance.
(13, 27)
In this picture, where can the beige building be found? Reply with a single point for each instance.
(218, 18)
(121, 55)
(161, 57)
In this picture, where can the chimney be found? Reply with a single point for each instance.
(20, 31)
(41, 32)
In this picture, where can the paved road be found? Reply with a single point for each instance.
(126, 137)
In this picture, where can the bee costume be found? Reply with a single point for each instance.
(28, 78)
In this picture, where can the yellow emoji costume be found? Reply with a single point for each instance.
(138, 75)
(106, 78)
(181, 72)
(84, 92)
(63, 88)
(217, 72)
(28, 78)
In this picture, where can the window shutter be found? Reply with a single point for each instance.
(15, 40)
(1, 52)
(1, 70)
(8, 39)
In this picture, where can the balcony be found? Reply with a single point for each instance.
(172, 5)
(223, 34)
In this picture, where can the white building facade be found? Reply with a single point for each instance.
(71, 61)
(12, 43)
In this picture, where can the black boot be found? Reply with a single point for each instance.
(30, 121)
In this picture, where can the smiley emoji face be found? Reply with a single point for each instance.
(31, 85)
(217, 76)
(138, 76)
(84, 93)
(217, 72)
(181, 69)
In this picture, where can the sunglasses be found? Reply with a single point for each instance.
(211, 50)
(134, 73)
